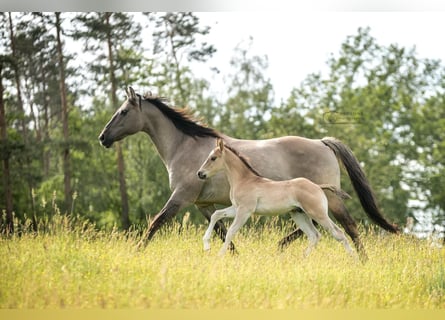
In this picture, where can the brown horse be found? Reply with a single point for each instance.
(251, 193)
(183, 144)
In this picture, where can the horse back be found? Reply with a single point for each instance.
(290, 157)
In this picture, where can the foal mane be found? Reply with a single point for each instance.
(243, 159)
(182, 119)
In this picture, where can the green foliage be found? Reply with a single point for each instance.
(371, 100)
(246, 111)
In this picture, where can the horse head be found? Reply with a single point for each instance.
(126, 120)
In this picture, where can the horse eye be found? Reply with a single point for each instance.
(124, 112)
(213, 158)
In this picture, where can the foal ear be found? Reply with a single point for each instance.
(220, 144)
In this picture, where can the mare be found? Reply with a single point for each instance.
(183, 143)
(251, 193)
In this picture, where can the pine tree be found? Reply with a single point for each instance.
(118, 31)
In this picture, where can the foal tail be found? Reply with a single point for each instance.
(360, 183)
(338, 192)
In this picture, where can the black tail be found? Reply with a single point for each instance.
(360, 183)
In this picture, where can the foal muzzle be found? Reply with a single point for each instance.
(202, 175)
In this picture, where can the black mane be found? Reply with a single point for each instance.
(244, 160)
(182, 119)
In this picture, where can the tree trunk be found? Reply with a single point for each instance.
(21, 112)
(66, 147)
(45, 129)
(17, 80)
(125, 219)
(6, 226)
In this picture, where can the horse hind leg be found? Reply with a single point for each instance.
(306, 225)
(286, 241)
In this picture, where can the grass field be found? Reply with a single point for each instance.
(74, 266)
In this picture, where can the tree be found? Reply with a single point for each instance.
(250, 96)
(63, 99)
(17, 76)
(18, 50)
(175, 36)
(290, 118)
(428, 136)
(6, 226)
(118, 31)
(372, 99)
(36, 119)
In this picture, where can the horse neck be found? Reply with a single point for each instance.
(235, 169)
(165, 136)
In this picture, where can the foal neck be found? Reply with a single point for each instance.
(236, 168)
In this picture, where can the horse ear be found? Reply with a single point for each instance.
(220, 144)
(131, 95)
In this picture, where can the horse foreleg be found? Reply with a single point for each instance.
(170, 209)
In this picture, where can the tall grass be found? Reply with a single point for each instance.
(73, 265)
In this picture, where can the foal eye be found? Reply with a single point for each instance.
(213, 158)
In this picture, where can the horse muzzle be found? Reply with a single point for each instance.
(107, 143)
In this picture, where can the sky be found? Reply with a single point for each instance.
(298, 44)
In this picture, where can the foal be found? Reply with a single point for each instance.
(251, 193)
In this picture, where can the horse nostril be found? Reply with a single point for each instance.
(102, 137)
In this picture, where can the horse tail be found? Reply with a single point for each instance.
(360, 183)
(338, 192)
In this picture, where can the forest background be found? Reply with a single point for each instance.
(384, 101)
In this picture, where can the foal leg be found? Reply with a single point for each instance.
(216, 216)
(220, 229)
(241, 218)
(340, 236)
(306, 225)
(335, 231)
(342, 215)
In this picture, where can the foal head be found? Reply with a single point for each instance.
(214, 162)
(126, 120)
